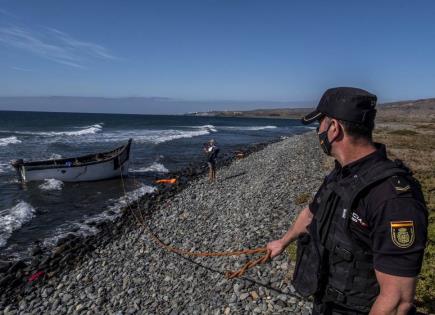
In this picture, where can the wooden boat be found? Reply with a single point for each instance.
(89, 167)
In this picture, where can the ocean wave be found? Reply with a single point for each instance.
(131, 196)
(150, 136)
(12, 219)
(51, 184)
(92, 134)
(90, 130)
(9, 140)
(112, 212)
(169, 135)
(86, 130)
(155, 167)
(114, 209)
(55, 156)
(206, 127)
(5, 167)
(80, 229)
(305, 127)
(248, 128)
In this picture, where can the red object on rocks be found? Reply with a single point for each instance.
(36, 276)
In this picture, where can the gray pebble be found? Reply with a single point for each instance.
(251, 203)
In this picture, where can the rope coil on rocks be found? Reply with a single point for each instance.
(228, 274)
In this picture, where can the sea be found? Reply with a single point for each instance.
(44, 211)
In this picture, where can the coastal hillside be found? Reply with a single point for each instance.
(416, 110)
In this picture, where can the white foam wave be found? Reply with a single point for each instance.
(169, 135)
(12, 219)
(130, 197)
(207, 127)
(55, 156)
(9, 140)
(248, 128)
(85, 229)
(81, 229)
(91, 134)
(305, 127)
(4, 167)
(151, 136)
(155, 167)
(113, 212)
(51, 184)
(87, 130)
(90, 130)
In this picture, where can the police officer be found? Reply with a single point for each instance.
(362, 238)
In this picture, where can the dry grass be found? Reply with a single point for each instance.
(302, 199)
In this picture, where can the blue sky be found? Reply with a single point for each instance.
(217, 49)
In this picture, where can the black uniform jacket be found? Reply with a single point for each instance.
(390, 218)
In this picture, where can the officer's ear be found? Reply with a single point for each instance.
(336, 130)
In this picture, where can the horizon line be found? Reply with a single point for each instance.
(199, 100)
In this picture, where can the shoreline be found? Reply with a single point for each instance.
(162, 208)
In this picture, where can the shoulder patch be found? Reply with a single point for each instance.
(400, 184)
(402, 233)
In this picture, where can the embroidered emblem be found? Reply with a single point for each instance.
(402, 189)
(402, 233)
(400, 185)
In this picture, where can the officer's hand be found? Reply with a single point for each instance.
(276, 247)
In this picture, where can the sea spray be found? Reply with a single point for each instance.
(51, 184)
(9, 140)
(155, 168)
(12, 219)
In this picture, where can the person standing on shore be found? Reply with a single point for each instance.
(361, 240)
(211, 150)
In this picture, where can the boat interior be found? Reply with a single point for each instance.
(85, 159)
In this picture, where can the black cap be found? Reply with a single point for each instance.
(344, 103)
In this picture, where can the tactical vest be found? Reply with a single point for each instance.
(330, 264)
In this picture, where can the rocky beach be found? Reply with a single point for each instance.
(251, 203)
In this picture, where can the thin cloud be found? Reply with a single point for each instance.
(93, 50)
(7, 13)
(54, 45)
(21, 69)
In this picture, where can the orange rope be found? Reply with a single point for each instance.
(229, 274)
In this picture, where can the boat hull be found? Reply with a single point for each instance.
(90, 167)
(93, 172)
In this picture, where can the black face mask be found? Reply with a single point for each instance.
(325, 144)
